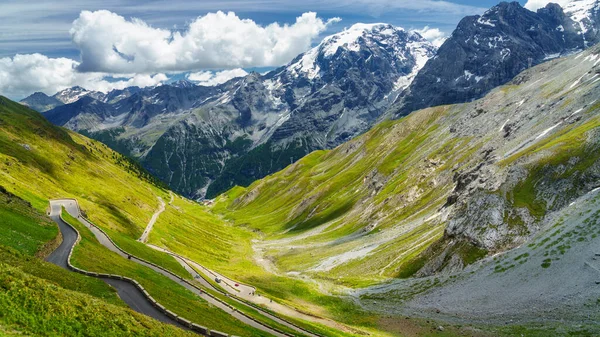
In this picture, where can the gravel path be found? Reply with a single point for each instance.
(161, 208)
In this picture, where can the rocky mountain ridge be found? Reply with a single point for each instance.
(489, 50)
(207, 139)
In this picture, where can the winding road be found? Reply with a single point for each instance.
(128, 292)
(131, 295)
(245, 292)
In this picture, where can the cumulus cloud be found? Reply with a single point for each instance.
(116, 52)
(110, 43)
(23, 74)
(434, 35)
(138, 80)
(209, 78)
(534, 5)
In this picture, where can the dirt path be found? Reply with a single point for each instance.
(161, 208)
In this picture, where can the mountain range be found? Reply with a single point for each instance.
(204, 140)
(477, 218)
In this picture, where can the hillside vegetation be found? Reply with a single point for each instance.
(436, 190)
(38, 298)
(38, 162)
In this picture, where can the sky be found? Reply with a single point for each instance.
(107, 44)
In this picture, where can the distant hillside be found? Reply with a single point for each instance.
(436, 190)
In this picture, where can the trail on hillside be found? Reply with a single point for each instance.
(73, 209)
(161, 208)
(244, 291)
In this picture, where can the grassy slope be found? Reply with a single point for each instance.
(187, 228)
(40, 298)
(392, 180)
(91, 255)
(368, 180)
(39, 161)
(394, 176)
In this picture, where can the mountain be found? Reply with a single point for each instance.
(42, 102)
(489, 50)
(586, 15)
(437, 190)
(182, 84)
(204, 140)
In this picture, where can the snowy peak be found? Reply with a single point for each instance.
(71, 95)
(585, 14)
(405, 51)
(182, 84)
(489, 50)
(579, 10)
(350, 38)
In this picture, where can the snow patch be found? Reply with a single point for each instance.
(551, 56)
(485, 22)
(576, 82)
(545, 132)
(503, 125)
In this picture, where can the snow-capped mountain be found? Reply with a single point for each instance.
(586, 15)
(489, 50)
(182, 84)
(71, 95)
(206, 139)
(321, 99)
(42, 102)
(406, 49)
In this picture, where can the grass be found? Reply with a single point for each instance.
(560, 150)
(56, 163)
(23, 228)
(90, 255)
(35, 306)
(39, 298)
(39, 161)
(322, 189)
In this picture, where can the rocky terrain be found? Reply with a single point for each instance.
(489, 50)
(207, 139)
(553, 280)
(435, 191)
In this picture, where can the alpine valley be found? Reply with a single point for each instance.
(375, 185)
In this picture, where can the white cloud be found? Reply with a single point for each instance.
(534, 5)
(209, 78)
(23, 74)
(110, 43)
(434, 35)
(138, 80)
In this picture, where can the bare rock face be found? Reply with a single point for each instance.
(489, 50)
(204, 140)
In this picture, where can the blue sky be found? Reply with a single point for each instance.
(48, 45)
(43, 26)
